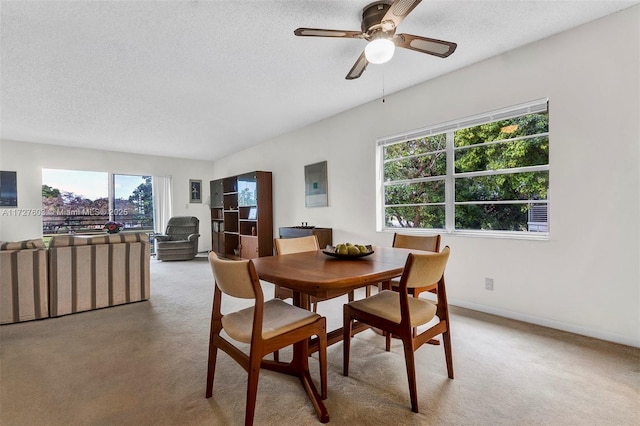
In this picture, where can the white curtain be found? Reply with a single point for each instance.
(162, 194)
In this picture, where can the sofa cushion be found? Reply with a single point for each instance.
(86, 240)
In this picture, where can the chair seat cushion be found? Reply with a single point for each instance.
(386, 304)
(184, 244)
(279, 317)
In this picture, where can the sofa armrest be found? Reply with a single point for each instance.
(162, 237)
(193, 237)
(23, 284)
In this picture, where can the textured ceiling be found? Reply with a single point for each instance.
(203, 79)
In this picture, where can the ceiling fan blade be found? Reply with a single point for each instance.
(399, 10)
(319, 32)
(358, 68)
(430, 46)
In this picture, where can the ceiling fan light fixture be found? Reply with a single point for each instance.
(379, 50)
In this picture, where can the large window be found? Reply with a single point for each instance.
(487, 173)
(83, 201)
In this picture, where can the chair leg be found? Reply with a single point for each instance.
(276, 356)
(252, 389)
(211, 368)
(369, 287)
(346, 340)
(409, 357)
(448, 354)
(387, 341)
(322, 356)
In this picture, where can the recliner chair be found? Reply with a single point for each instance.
(180, 241)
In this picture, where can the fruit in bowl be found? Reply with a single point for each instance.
(351, 249)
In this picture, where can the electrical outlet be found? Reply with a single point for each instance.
(488, 283)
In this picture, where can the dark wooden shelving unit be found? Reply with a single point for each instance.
(242, 215)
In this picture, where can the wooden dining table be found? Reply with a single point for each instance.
(317, 274)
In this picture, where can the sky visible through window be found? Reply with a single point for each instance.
(91, 185)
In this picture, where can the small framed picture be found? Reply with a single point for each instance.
(195, 191)
(8, 189)
(253, 213)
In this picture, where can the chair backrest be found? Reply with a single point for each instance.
(296, 245)
(180, 227)
(421, 268)
(234, 277)
(417, 242)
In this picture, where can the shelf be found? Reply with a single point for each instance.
(216, 213)
(230, 185)
(248, 227)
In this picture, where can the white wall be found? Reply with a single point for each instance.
(586, 277)
(28, 160)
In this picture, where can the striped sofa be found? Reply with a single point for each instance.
(95, 272)
(23, 281)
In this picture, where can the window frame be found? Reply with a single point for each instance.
(111, 213)
(449, 128)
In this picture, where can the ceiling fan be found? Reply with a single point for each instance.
(379, 22)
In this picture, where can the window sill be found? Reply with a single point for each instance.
(533, 236)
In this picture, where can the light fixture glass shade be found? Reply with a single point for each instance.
(379, 51)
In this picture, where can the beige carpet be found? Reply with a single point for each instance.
(145, 364)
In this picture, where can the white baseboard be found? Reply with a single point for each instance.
(558, 325)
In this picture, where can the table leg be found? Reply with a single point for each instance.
(301, 300)
(335, 336)
(301, 357)
(299, 367)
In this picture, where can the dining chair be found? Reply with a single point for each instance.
(265, 326)
(417, 242)
(297, 245)
(395, 312)
(289, 246)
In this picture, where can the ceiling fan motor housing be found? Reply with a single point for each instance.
(373, 13)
